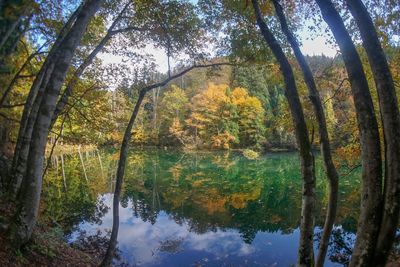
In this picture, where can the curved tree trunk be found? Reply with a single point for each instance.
(118, 185)
(26, 126)
(330, 168)
(31, 108)
(391, 128)
(28, 201)
(124, 154)
(62, 102)
(306, 254)
(371, 199)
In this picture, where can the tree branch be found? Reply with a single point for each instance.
(13, 105)
(337, 90)
(166, 81)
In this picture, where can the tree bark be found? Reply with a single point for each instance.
(79, 71)
(119, 181)
(330, 168)
(31, 108)
(391, 128)
(26, 126)
(29, 198)
(371, 199)
(306, 254)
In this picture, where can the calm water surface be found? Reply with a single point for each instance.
(197, 209)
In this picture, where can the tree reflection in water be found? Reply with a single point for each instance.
(206, 192)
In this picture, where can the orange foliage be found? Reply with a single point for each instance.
(222, 140)
(239, 200)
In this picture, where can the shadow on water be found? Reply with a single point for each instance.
(205, 208)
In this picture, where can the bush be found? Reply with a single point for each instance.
(251, 154)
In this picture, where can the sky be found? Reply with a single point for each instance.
(317, 46)
(310, 45)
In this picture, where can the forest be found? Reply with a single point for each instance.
(199, 133)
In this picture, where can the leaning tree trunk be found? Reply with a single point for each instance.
(62, 102)
(391, 128)
(119, 180)
(26, 215)
(124, 155)
(25, 129)
(330, 168)
(371, 199)
(306, 254)
(31, 108)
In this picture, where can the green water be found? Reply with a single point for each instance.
(206, 208)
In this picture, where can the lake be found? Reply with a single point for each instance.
(197, 208)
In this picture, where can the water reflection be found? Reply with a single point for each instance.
(166, 242)
(209, 209)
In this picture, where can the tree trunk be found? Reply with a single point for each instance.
(391, 128)
(29, 198)
(62, 102)
(101, 164)
(79, 71)
(32, 106)
(26, 126)
(371, 199)
(83, 165)
(63, 172)
(118, 185)
(330, 168)
(124, 154)
(306, 254)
